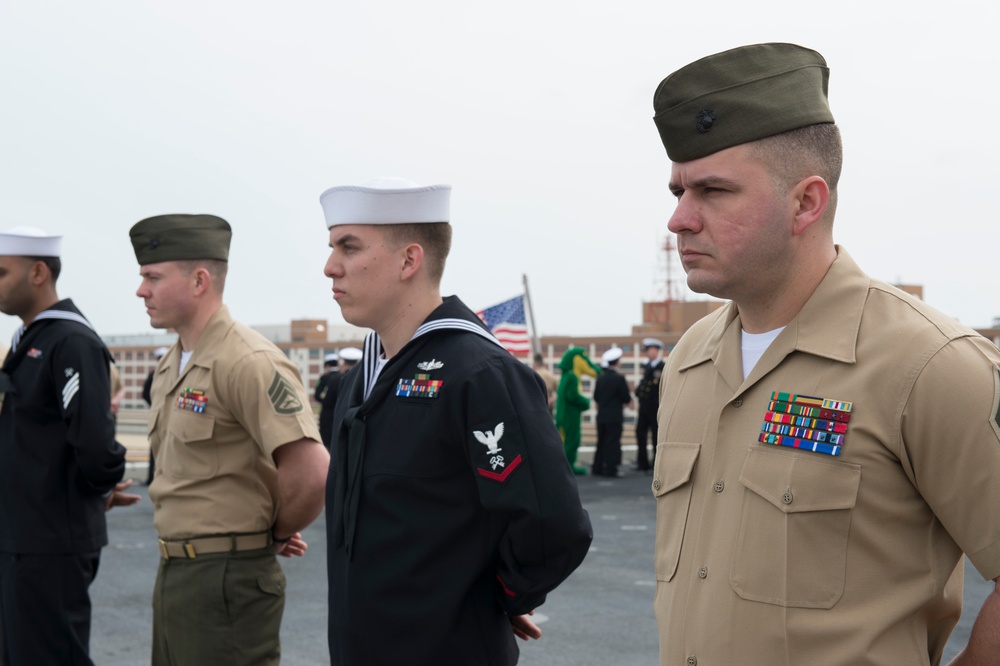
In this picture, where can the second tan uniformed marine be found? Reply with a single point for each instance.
(773, 555)
(240, 468)
(214, 427)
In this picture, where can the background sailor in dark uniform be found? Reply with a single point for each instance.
(648, 395)
(611, 394)
(349, 357)
(330, 376)
(60, 462)
(451, 508)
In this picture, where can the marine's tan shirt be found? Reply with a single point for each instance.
(771, 555)
(214, 428)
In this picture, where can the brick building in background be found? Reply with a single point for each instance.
(307, 341)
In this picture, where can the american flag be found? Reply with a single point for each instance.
(508, 324)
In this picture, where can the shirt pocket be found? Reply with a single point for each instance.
(795, 520)
(192, 453)
(672, 472)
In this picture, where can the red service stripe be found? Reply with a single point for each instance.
(501, 477)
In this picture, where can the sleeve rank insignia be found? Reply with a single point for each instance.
(491, 440)
(805, 422)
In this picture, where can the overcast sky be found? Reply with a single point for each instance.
(538, 113)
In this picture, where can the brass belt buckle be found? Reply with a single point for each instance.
(189, 549)
(163, 549)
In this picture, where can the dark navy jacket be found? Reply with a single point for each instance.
(450, 503)
(58, 454)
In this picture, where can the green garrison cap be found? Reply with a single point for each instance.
(180, 237)
(739, 96)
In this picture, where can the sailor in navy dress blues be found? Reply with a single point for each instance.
(461, 478)
(451, 508)
(60, 461)
(648, 395)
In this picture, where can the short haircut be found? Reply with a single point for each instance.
(434, 237)
(813, 150)
(216, 268)
(54, 264)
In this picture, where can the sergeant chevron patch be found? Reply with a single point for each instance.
(284, 397)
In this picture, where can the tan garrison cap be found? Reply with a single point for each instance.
(738, 96)
(180, 238)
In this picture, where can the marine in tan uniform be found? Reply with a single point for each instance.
(239, 464)
(829, 446)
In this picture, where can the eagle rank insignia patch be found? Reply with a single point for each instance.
(499, 467)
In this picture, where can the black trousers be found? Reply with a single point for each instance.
(45, 608)
(609, 449)
(645, 423)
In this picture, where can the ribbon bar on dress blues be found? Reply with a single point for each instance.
(794, 442)
(420, 386)
(192, 400)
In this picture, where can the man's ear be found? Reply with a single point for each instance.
(810, 197)
(38, 272)
(412, 258)
(201, 280)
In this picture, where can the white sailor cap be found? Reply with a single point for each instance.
(160, 352)
(29, 242)
(351, 354)
(330, 358)
(611, 356)
(386, 201)
(651, 342)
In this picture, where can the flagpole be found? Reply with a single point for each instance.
(535, 347)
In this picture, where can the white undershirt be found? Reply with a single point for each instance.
(754, 345)
(185, 357)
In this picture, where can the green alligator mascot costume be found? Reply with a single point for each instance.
(570, 403)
